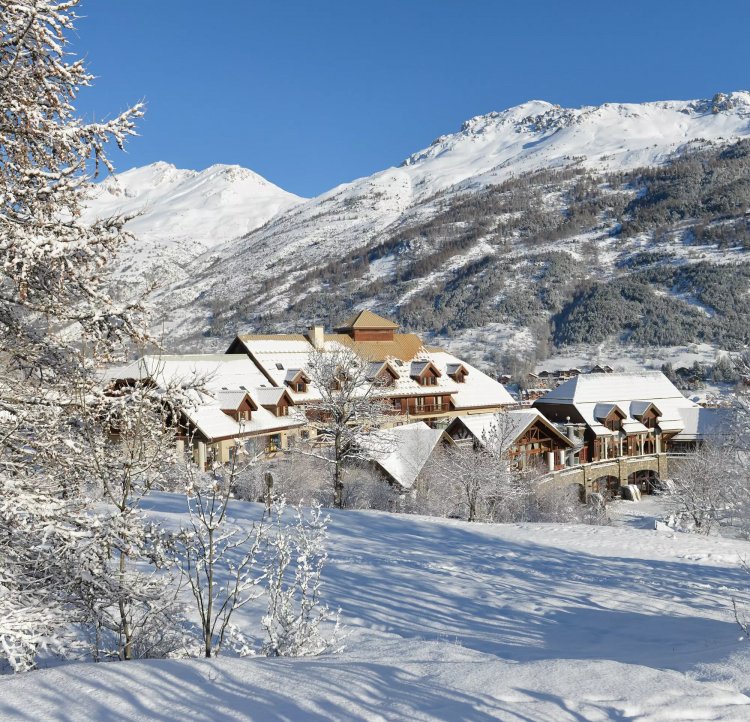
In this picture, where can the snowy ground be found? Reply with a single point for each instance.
(455, 621)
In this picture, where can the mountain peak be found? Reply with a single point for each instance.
(539, 134)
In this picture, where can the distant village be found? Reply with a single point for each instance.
(602, 430)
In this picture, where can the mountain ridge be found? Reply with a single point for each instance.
(456, 215)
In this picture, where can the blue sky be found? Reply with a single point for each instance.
(314, 93)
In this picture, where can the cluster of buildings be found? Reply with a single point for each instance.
(257, 391)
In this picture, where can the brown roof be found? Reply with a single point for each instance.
(405, 346)
(366, 320)
(272, 337)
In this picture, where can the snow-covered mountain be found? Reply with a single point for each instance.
(362, 242)
(183, 213)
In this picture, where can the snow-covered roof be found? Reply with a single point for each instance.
(602, 411)
(508, 426)
(700, 423)
(281, 356)
(419, 367)
(214, 424)
(230, 400)
(650, 386)
(633, 427)
(224, 381)
(214, 372)
(477, 390)
(269, 396)
(632, 393)
(402, 452)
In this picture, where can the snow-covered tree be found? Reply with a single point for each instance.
(295, 563)
(477, 482)
(128, 447)
(349, 414)
(57, 320)
(709, 487)
(217, 557)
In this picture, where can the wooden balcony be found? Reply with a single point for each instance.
(428, 409)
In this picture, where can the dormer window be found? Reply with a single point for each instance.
(297, 380)
(277, 401)
(425, 373)
(387, 377)
(381, 373)
(457, 372)
(236, 404)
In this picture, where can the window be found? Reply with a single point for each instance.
(280, 367)
(429, 381)
(300, 387)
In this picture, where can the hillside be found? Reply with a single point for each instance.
(180, 214)
(449, 620)
(583, 233)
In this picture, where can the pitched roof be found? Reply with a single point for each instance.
(293, 374)
(700, 423)
(638, 408)
(454, 368)
(479, 390)
(230, 399)
(614, 388)
(270, 395)
(419, 367)
(408, 449)
(404, 346)
(632, 393)
(366, 320)
(510, 426)
(224, 379)
(602, 411)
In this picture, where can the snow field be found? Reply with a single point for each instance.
(455, 621)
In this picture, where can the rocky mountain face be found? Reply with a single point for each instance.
(592, 233)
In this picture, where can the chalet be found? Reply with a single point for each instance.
(227, 401)
(419, 382)
(619, 414)
(524, 435)
(601, 369)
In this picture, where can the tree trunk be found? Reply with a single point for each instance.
(127, 632)
(207, 635)
(338, 482)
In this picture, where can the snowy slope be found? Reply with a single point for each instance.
(485, 151)
(455, 621)
(183, 213)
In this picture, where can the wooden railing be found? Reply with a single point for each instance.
(427, 409)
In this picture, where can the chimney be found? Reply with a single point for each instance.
(317, 337)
